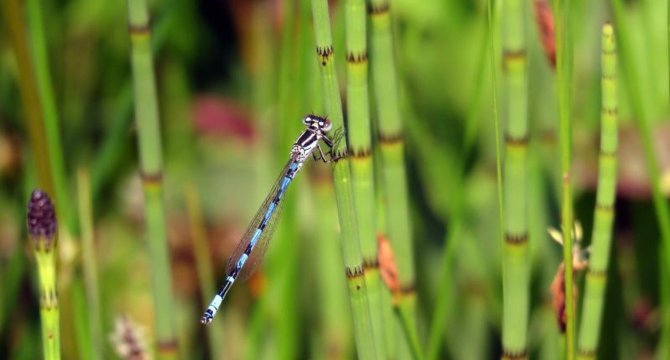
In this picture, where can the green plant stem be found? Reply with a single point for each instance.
(392, 151)
(49, 112)
(444, 296)
(362, 176)
(564, 83)
(11, 10)
(333, 308)
(641, 112)
(353, 260)
(410, 333)
(150, 150)
(114, 144)
(89, 262)
(596, 280)
(515, 261)
(49, 312)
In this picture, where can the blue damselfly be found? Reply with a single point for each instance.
(251, 247)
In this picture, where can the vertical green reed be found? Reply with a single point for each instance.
(641, 111)
(49, 112)
(564, 90)
(392, 150)
(333, 309)
(596, 279)
(11, 10)
(89, 262)
(353, 260)
(362, 176)
(515, 261)
(149, 139)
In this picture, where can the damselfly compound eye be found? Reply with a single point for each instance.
(326, 125)
(307, 120)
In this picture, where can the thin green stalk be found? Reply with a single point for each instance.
(114, 145)
(444, 296)
(596, 280)
(90, 263)
(333, 311)
(42, 228)
(49, 112)
(150, 150)
(515, 257)
(11, 10)
(204, 266)
(641, 112)
(392, 152)
(410, 333)
(564, 83)
(362, 176)
(353, 260)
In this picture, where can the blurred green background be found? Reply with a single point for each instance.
(227, 75)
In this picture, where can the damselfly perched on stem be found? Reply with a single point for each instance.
(253, 244)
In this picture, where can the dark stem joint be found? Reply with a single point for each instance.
(388, 139)
(516, 141)
(362, 153)
(359, 58)
(516, 239)
(324, 53)
(152, 178)
(379, 9)
(354, 272)
(515, 355)
(370, 264)
(512, 55)
(140, 29)
(339, 155)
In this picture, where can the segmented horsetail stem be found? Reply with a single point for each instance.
(353, 261)
(515, 262)
(601, 239)
(362, 175)
(151, 167)
(42, 229)
(391, 168)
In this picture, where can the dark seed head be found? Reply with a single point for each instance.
(41, 218)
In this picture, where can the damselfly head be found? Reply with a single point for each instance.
(322, 124)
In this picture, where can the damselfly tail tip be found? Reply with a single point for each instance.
(207, 317)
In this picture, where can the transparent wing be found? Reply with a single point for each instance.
(261, 246)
